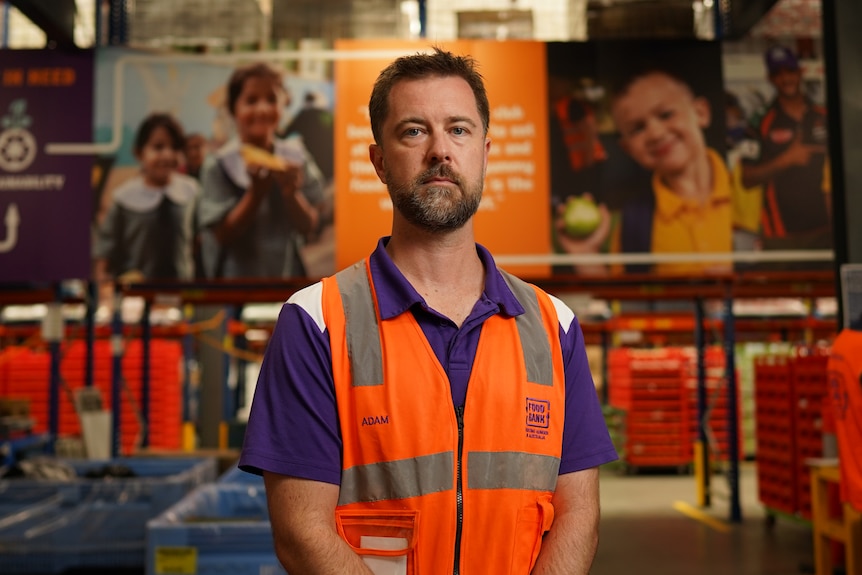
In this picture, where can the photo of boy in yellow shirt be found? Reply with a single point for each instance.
(661, 122)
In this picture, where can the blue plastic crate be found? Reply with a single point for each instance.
(47, 526)
(221, 528)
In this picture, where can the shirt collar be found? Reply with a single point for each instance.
(395, 295)
(669, 204)
(136, 195)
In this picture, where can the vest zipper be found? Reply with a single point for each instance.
(459, 490)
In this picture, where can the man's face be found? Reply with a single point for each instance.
(661, 123)
(195, 152)
(433, 152)
(787, 81)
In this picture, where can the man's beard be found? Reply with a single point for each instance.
(436, 208)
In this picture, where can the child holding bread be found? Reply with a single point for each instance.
(260, 193)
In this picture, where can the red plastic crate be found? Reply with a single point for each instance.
(25, 373)
(789, 392)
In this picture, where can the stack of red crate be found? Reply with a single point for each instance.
(657, 388)
(25, 374)
(789, 392)
(647, 384)
(810, 386)
(773, 396)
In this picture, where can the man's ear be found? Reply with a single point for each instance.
(703, 111)
(375, 154)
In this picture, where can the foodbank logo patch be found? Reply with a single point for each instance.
(538, 418)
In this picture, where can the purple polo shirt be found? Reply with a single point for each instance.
(293, 424)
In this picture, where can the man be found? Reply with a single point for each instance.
(377, 454)
(315, 124)
(793, 162)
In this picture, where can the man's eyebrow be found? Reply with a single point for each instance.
(465, 119)
(411, 120)
(423, 122)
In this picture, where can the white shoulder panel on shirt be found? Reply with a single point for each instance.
(564, 313)
(310, 299)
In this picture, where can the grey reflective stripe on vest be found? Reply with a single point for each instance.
(512, 470)
(534, 338)
(397, 479)
(363, 337)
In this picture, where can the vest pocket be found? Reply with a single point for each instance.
(533, 522)
(386, 540)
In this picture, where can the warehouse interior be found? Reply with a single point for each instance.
(123, 407)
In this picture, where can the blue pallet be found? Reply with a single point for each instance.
(220, 528)
(48, 526)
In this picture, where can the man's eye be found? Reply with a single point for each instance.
(412, 132)
(459, 131)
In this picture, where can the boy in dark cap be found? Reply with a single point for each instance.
(793, 162)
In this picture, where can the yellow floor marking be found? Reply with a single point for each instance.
(699, 515)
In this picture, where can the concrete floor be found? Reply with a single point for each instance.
(643, 533)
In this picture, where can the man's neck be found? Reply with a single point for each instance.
(793, 106)
(444, 268)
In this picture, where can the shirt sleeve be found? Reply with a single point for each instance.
(826, 183)
(313, 181)
(107, 242)
(218, 194)
(586, 441)
(754, 150)
(293, 423)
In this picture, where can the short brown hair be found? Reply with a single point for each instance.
(418, 66)
(153, 122)
(255, 70)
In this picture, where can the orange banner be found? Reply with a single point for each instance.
(514, 217)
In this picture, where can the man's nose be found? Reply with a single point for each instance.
(439, 148)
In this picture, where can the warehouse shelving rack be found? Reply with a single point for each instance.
(695, 327)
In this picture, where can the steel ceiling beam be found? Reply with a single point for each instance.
(743, 15)
(55, 17)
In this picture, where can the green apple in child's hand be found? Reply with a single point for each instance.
(581, 216)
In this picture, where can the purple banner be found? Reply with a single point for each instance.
(45, 199)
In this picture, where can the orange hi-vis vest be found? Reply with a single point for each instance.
(845, 395)
(427, 488)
